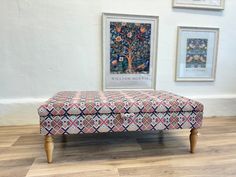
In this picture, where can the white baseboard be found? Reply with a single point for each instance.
(19, 114)
(219, 106)
(24, 111)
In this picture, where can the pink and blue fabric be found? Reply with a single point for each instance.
(78, 112)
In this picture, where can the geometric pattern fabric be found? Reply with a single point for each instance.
(72, 112)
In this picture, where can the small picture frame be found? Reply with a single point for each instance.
(196, 53)
(200, 4)
(129, 51)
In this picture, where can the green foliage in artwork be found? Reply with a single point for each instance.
(130, 48)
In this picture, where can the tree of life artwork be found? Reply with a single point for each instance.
(130, 48)
(196, 56)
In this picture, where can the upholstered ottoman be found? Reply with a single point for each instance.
(74, 112)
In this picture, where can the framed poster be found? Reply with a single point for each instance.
(201, 4)
(196, 54)
(129, 51)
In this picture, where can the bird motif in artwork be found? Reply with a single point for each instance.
(114, 62)
(118, 29)
(195, 58)
(142, 29)
(142, 66)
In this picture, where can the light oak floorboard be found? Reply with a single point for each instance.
(134, 154)
(8, 141)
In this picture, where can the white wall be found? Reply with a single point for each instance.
(52, 45)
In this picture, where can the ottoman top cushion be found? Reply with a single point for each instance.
(115, 102)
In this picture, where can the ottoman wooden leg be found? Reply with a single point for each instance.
(193, 139)
(48, 145)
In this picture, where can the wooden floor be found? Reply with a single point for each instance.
(149, 154)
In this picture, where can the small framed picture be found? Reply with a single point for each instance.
(196, 54)
(129, 51)
(200, 4)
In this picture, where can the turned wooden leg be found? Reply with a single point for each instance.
(48, 145)
(193, 139)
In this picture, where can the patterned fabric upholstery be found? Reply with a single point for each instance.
(72, 112)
